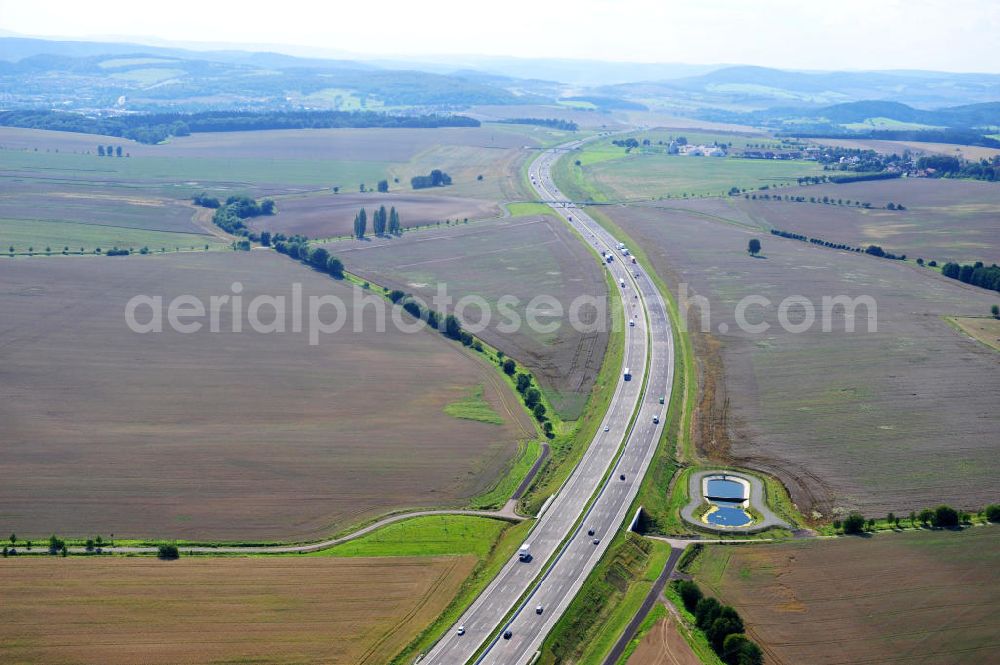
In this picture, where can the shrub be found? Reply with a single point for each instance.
(167, 552)
(993, 512)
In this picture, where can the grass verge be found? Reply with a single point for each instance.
(608, 600)
(488, 567)
(426, 535)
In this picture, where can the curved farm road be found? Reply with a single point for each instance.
(506, 513)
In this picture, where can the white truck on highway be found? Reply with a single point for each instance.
(628, 374)
(524, 553)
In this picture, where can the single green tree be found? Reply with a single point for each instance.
(946, 517)
(452, 327)
(994, 310)
(706, 611)
(690, 594)
(167, 552)
(854, 523)
(335, 267)
(753, 247)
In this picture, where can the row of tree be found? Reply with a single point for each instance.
(942, 517)
(874, 250)
(977, 274)
(531, 395)
(110, 151)
(383, 223)
(827, 200)
(721, 624)
(297, 247)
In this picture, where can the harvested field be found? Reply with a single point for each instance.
(226, 436)
(212, 610)
(981, 328)
(927, 597)
(328, 215)
(898, 419)
(969, 152)
(519, 256)
(374, 144)
(111, 208)
(664, 645)
(946, 220)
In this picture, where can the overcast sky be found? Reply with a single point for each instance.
(949, 35)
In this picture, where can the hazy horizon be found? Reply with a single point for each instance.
(848, 35)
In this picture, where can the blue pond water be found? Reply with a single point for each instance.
(729, 512)
(724, 489)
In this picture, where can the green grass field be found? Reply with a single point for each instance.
(528, 208)
(429, 535)
(474, 407)
(25, 233)
(606, 172)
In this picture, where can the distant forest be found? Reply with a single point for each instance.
(553, 123)
(156, 127)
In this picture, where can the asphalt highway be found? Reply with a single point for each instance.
(562, 532)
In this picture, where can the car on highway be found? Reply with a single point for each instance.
(656, 420)
(539, 609)
(597, 541)
(607, 428)
(507, 634)
(590, 532)
(631, 324)
(661, 399)
(461, 630)
(621, 477)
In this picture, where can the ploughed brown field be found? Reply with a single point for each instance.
(663, 645)
(349, 611)
(944, 219)
(520, 256)
(221, 435)
(911, 597)
(899, 418)
(328, 215)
